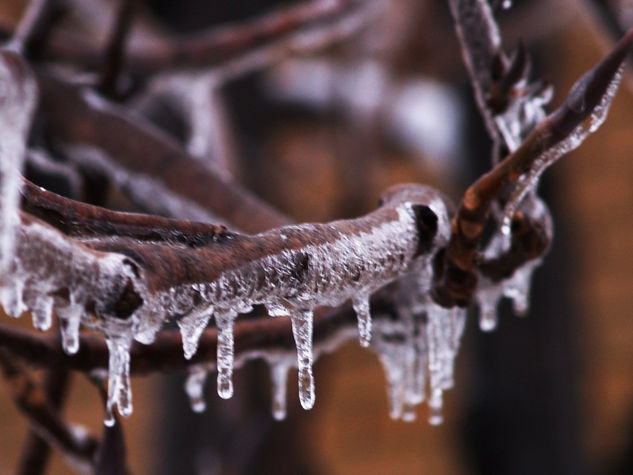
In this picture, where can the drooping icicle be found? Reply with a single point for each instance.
(361, 307)
(517, 286)
(11, 297)
(42, 312)
(224, 320)
(69, 322)
(191, 327)
(530, 180)
(194, 386)
(279, 379)
(119, 392)
(392, 363)
(302, 332)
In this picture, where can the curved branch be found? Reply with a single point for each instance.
(138, 157)
(209, 48)
(456, 278)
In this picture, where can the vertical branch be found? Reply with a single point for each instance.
(115, 49)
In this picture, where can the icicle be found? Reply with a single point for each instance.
(518, 286)
(392, 364)
(42, 312)
(279, 379)
(69, 322)
(531, 179)
(361, 307)
(488, 296)
(302, 332)
(191, 327)
(224, 321)
(506, 4)
(194, 386)
(11, 297)
(118, 379)
(436, 416)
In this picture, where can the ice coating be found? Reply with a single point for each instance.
(18, 97)
(194, 387)
(529, 182)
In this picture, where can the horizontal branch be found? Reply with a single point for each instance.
(208, 48)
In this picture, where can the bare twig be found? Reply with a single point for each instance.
(36, 450)
(115, 47)
(216, 46)
(31, 400)
(34, 28)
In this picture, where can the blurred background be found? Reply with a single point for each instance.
(320, 137)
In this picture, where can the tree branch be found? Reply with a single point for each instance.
(456, 279)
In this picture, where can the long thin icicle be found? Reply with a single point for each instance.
(302, 332)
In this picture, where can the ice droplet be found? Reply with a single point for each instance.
(194, 386)
(191, 327)
(302, 332)
(279, 379)
(224, 320)
(361, 307)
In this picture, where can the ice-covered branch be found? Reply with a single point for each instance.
(155, 171)
(127, 288)
(582, 113)
(18, 99)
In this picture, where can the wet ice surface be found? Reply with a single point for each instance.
(18, 97)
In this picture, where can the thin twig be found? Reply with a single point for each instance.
(36, 24)
(31, 401)
(36, 450)
(114, 57)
